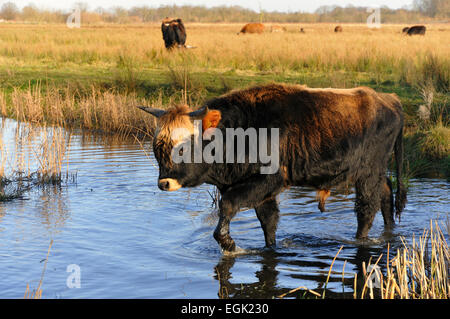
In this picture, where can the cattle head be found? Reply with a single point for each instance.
(177, 129)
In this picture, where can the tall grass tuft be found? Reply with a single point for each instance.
(420, 270)
(95, 109)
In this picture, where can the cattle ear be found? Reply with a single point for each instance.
(211, 119)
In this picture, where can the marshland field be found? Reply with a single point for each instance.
(93, 77)
(77, 168)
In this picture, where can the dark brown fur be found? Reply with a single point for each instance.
(417, 30)
(327, 137)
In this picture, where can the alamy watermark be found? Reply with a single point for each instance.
(74, 19)
(374, 19)
(74, 279)
(261, 148)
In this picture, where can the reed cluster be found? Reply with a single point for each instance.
(419, 270)
(95, 110)
(34, 156)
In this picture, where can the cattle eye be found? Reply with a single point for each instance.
(180, 152)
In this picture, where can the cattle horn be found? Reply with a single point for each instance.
(155, 112)
(199, 114)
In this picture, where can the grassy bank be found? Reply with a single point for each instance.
(94, 77)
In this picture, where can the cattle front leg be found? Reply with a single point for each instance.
(267, 213)
(222, 232)
(251, 193)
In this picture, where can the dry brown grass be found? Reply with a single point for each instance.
(218, 47)
(98, 110)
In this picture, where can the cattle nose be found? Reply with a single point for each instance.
(168, 184)
(163, 185)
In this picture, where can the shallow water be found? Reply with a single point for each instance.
(131, 240)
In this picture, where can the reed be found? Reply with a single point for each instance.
(419, 270)
(35, 158)
(37, 293)
(96, 109)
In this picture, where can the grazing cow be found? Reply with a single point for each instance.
(174, 33)
(417, 29)
(326, 137)
(277, 28)
(405, 30)
(252, 28)
(338, 29)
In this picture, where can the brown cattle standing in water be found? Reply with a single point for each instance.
(174, 33)
(252, 28)
(417, 29)
(326, 138)
(338, 29)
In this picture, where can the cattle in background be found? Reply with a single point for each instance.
(174, 33)
(338, 29)
(417, 29)
(405, 30)
(327, 137)
(252, 28)
(302, 30)
(277, 28)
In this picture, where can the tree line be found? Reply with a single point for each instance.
(420, 11)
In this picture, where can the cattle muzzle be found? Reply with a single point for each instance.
(168, 184)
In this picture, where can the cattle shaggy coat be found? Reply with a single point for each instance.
(417, 29)
(252, 28)
(174, 33)
(327, 137)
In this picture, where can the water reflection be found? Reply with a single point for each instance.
(273, 264)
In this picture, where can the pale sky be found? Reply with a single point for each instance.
(266, 5)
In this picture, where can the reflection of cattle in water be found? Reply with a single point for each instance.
(326, 137)
(417, 29)
(174, 33)
(277, 28)
(267, 282)
(338, 29)
(252, 28)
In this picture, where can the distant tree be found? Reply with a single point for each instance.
(433, 8)
(9, 11)
(30, 13)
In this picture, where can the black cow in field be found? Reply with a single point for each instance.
(405, 30)
(174, 33)
(417, 29)
(326, 137)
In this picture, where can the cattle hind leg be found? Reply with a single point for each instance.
(387, 204)
(368, 200)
